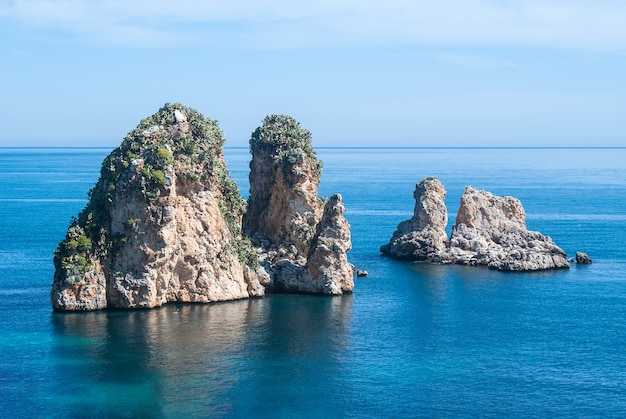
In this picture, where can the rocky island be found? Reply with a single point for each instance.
(163, 223)
(489, 230)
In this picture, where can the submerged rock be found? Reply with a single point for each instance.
(489, 230)
(303, 241)
(164, 222)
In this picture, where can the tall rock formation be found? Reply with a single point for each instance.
(303, 241)
(489, 230)
(163, 223)
(422, 238)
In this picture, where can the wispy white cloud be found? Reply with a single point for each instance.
(596, 25)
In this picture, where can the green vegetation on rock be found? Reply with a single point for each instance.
(232, 206)
(285, 140)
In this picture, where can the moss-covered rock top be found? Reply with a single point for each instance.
(284, 138)
(173, 132)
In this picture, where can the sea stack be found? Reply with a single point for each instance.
(489, 230)
(163, 223)
(303, 240)
(422, 238)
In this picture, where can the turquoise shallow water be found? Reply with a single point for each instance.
(412, 340)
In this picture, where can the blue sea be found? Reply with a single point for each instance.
(411, 340)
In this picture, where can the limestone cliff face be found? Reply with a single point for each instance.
(303, 243)
(489, 230)
(163, 223)
(423, 237)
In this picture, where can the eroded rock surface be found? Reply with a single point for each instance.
(422, 238)
(303, 241)
(489, 230)
(163, 223)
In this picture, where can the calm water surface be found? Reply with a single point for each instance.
(412, 340)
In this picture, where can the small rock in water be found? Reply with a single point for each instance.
(361, 272)
(582, 259)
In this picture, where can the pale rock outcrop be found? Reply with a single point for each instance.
(303, 242)
(163, 224)
(422, 238)
(489, 230)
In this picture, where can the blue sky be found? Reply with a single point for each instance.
(355, 73)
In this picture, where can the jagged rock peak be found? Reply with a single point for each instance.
(423, 237)
(483, 210)
(489, 230)
(328, 265)
(287, 220)
(162, 224)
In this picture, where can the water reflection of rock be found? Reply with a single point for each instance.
(304, 326)
(179, 357)
(296, 357)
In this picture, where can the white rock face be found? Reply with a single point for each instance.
(81, 292)
(328, 268)
(490, 230)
